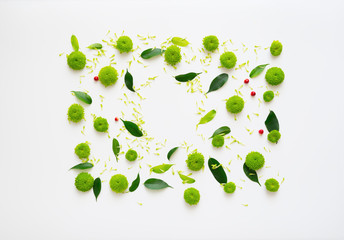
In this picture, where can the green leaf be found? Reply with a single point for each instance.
(151, 52)
(161, 168)
(95, 46)
(208, 117)
(83, 97)
(221, 131)
(218, 82)
(186, 179)
(116, 147)
(128, 79)
(170, 153)
(186, 77)
(182, 42)
(85, 165)
(271, 122)
(132, 128)
(97, 187)
(257, 70)
(251, 174)
(135, 184)
(155, 184)
(75, 43)
(217, 170)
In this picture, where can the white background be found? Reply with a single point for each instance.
(38, 198)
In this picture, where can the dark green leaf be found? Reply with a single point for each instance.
(128, 79)
(132, 128)
(75, 43)
(180, 41)
(85, 165)
(257, 70)
(161, 168)
(271, 122)
(135, 184)
(97, 187)
(186, 77)
(217, 170)
(208, 117)
(218, 82)
(170, 153)
(186, 179)
(116, 147)
(155, 184)
(95, 46)
(221, 131)
(251, 174)
(151, 52)
(83, 97)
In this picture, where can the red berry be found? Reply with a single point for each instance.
(261, 131)
(253, 93)
(116, 119)
(96, 78)
(246, 81)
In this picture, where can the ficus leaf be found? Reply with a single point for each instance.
(128, 79)
(186, 179)
(151, 52)
(217, 170)
(95, 46)
(221, 131)
(182, 42)
(161, 168)
(97, 187)
(218, 82)
(271, 122)
(257, 70)
(116, 148)
(85, 165)
(132, 128)
(83, 97)
(186, 77)
(75, 43)
(251, 174)
(170, 153)
(135, 184)
(208, 117)
(155, 184)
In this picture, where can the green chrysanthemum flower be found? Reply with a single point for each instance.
(274, 76)
(172, 55)
(75, 113)
(254, 160)
(124, 44)
(268, 96)
(192, 196)
(118, 183)
(211, 43)
(272, 185)
(131, 155)
(229, 187)
(276, 48)
(274, 136)
(195, 161)
(82, 150)
(84, 182)
(218, 141)
(108, 76)
(101, 124)
(235, 104)
(228, 60)
(76, 60)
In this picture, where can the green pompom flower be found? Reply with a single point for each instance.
(108, 76)
(229, 187)
(84, 182)
(254, 160)
(211, 43)
(268, 96)
(235, 104)
(101, 124)
(274, 76)
(228, 60)
(218, 141)
(131, 155)
(272, 185)
(276, 48)
(172, 55)
(76, 60)
(192, 196)
(118, 183)
(195, 161)
(274, 136)
(124, 44)
(75, 113)
(82, 150)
